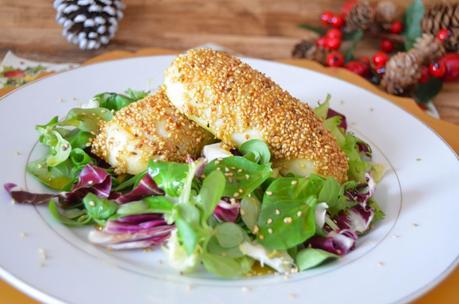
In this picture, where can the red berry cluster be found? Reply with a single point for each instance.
(447, 68)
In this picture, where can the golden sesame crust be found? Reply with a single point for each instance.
(232, 97)
(143, 119)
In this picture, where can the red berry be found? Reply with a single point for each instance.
(334, 33)
(379, 59)
(443, 34)
(424, 75)
(396, 27)
(13, 74)
(326, 17)
(335, 59)
(333, 43)
(322, 42)
(358, 67)
(386, 45)
(437, 69)
(337, 21)
(451, 62)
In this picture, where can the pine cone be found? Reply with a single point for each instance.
(443, 15)
(309, 50)
(361, 16)
(429, 48)
(89, 23)
(386, 13)
(402, 72)
(303, 49)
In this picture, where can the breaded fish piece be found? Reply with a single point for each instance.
(237, 103)
(151, 128)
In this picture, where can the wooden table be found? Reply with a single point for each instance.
(258, 28)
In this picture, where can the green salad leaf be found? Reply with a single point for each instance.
(116, 101)
(226, 266)
(99, 209)
(242, 175)
(60, 177)
(309, 257)
(287, 216)
(229, 235)
(250, 211)
(151, 204)
(256, 150)
(210, 193)
(169, 176)
(72, 217)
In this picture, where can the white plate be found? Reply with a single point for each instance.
(407, 253)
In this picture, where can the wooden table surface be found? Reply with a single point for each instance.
(257, 28)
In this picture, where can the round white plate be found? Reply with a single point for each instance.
(407, 253)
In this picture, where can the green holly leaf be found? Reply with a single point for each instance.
(425, 92)
(413, 17)
(316, 29)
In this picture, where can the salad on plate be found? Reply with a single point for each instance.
(220, 168)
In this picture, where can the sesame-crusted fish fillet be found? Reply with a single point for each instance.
(237, 103)
(150, 128)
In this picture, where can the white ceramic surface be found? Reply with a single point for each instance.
(407, 253)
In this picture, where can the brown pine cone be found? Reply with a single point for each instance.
(429, 48)
(386, 12)
(361, 16)
(303, 49)
(403, 71)
(309, 50)
(443, 15)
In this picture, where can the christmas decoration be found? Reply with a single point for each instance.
(89, 23)
(413, 59)
(443, 16)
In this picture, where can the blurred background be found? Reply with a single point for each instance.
(257, 28)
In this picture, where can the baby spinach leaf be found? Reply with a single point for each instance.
(311, 257)
(242, 175)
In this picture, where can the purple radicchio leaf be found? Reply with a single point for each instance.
(25, 197)
(139, 218)
(117, 235)
(146, 187)
(364, 148)
(362, 193)
(125, 227)
(96, 179)
(332, 113)
(339, 243)
(226, 211)
(357, 218)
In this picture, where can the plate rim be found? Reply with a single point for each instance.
(37, 294)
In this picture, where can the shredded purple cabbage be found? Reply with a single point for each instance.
(25, 197)
(226, 211)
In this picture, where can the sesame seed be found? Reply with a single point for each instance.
(381, 264)
(239, 170)
(269, 221)
(270, 231)
(396, 236)
(236, 194)
(292, 296)
(255, 229)
(240, 190)
(287, 220)
(269, 193)
(92, 203)
(277, 211)
(294, 182)
(188, 287)
(261, 237)
(247, 176)
(23, 235)
(415, 225)
(90, 182)
(245, 289)
(242, 212)
(299, 213)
